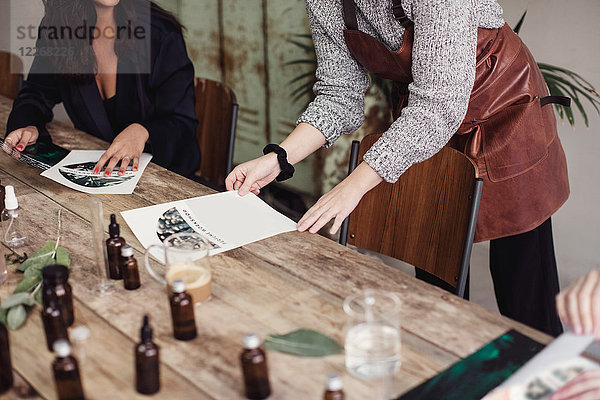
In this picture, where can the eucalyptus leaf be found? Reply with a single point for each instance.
(27, 284)
(3, 313)
(41, 258)
(303, 342)
(62, 257)
(38, 297)
(17, 299)
(16, 316)
(35, 269)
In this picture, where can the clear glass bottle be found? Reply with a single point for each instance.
(255, 369)
(12, 232)
(113, 248)
(66, 372)
(55, 281)
(182, 312)
(3, 267)
(147, 373)
(334, 390)
(54, 324)
(6, 372)
(129, 269)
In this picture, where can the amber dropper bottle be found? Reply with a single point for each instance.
(66, 372)
(113, 248)
(54, 324)
(129, 269)
(182, 312)
(6, 372)
(55, 281)
(147, 362)
(254, 369)
(334, 389)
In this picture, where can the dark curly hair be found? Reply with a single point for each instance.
(78, 60)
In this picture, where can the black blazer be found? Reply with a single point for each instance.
(162, 101)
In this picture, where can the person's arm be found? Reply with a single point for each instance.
(579, 305)
(32, 109)
(337, 109)
(171, 129)
(444, 52)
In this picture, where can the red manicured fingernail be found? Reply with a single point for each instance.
(20, 147)
(96, 170)
(134, 169)
(121, 173)
(106, 173)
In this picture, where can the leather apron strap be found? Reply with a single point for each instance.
(400, 15)
(352, 22)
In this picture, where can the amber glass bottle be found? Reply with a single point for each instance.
(182, 312)
(334, 389)
(129, 269)
(147, 375)
(6, 373)
(66, 373)
(54, 324)
(55, 282)
(254, 369)
(113, 248)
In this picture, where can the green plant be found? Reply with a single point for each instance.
(560, 81)
(563, 82)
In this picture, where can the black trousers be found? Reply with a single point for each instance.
(525, 277)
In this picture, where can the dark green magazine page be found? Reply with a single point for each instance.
(43, 155)
(475, 376)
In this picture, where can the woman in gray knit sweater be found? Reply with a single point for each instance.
(444, 55)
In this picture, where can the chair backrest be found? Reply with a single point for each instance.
(216, 110)
(426, 219)
(11, 74)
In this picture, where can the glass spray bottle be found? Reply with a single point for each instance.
(12, 232)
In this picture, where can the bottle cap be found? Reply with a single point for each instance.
(127, 251)
(334, 383)
(251, 341)
(113, 228)
(146, 331)
(54, 274)
(178, 286)
(10, 199)
(62, 348)
(80, 334)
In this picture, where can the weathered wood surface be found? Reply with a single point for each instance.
(276, 285)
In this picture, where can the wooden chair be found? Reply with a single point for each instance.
(11, 74)
(217, 112)
(426, 219)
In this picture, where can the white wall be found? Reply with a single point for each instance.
(567, 34)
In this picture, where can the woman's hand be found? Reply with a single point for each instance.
(21, 138)
(127, 146)
(253, 175)
(579, 305)
(585, 387)
(340, 201)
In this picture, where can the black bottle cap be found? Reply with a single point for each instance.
(146, 329)
(113, 228)
(54, 274)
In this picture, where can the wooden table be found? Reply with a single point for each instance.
(276, 285)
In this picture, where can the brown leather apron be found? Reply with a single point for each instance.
(508, 132)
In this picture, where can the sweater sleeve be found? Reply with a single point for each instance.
(444, 52)
(338, 107)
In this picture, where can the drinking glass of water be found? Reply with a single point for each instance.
(373, 335)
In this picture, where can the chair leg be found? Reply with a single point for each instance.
(466, 257)
(351, 166)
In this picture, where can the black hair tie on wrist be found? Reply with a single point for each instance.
(287, 169)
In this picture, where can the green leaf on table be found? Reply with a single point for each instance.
(3, 314)
(303, 342)
(45, 251)
(35, 268)
(17, 299)
(47, 248)
(62, 257)
(28, 283)
(38, 297)
(16, 316)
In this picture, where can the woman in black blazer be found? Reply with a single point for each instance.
(123, 88)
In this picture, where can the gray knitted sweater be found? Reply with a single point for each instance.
(443, 69)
